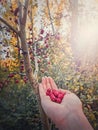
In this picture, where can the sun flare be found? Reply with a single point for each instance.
(87, 42)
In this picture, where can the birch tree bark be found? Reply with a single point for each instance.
(27, 63)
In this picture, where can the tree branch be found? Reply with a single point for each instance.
(20, 12)
(25, 12)
(6, 23)
(50, 17)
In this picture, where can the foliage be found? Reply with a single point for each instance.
(18, 104)
(85, 85)
(18, 108)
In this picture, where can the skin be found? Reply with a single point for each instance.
(66, 115)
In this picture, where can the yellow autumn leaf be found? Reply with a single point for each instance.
(81, 88)
(92, 116)
(76, 89)
(88, 96)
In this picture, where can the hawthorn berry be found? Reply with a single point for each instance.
(55, 92)
(60, 92)
(48, 92)
(58, 100)
(52, 97)
(16, 81)
(48, 62)
(55, 95)
(38, 61)
(11, 75)
(47, 45)
(22, 61)
(30, 42)
(22, 67)
(60, 96)
(42, 31)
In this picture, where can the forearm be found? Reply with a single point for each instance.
(75, 121)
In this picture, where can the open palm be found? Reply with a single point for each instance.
(57, 112)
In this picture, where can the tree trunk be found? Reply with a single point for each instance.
(74, 26)
(27, 64)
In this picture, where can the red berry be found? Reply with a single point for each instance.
(60, 96)
(53, 98)
(48, 62)
(55, 92)
(55, 95)
(22, 61)
(38, 61)
(42, 31)
(11, 75)
(16, 81)
(16, 21)
(47, 46)
(48, 92)
(60, 92)
(22, 67)
(58, 100)
(30, 42)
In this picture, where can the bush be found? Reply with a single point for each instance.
(18, 109)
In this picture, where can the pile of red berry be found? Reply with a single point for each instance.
(55, 95)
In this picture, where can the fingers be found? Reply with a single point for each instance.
(42, 93)
(44, 83)
(48, 82)
(44, 99)
(48, 85)
(52, 83)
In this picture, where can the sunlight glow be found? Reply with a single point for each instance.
(88, 35)
(87, 41)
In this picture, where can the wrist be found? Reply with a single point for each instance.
(68, 120)
(75, 121)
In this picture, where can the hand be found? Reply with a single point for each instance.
(58, 112)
